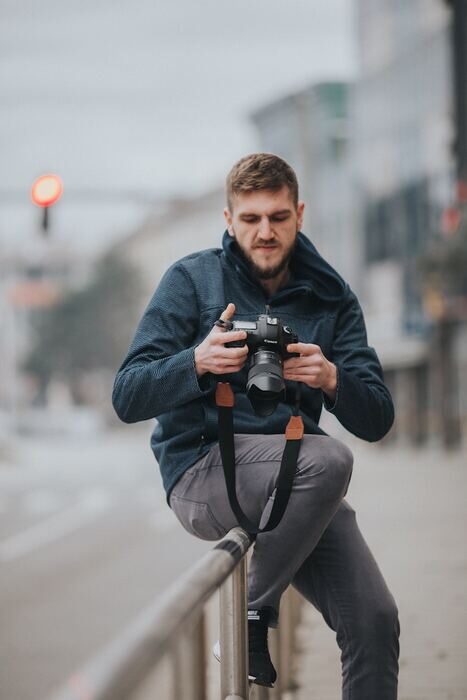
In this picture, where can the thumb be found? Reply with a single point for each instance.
(228, 312)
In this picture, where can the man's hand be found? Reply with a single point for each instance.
(212, 356)
(311, 368)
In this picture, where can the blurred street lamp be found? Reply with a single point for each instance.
(46, 191)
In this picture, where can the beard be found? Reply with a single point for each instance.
(266, 273)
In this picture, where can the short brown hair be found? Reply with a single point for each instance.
(261, 171)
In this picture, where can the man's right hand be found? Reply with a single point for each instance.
(212, 356)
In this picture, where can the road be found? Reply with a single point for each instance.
(86, 542)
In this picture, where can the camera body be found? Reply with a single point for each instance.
(267, 340)
(266, 333)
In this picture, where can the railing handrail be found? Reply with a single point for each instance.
(120, 667)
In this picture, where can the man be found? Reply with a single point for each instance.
(174, 363)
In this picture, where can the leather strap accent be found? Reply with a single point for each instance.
(295, 429)
(224, 395)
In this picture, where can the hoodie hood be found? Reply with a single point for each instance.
(310, 273)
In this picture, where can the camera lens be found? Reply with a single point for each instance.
(265, 384)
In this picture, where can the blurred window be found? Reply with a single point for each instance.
(398, 226)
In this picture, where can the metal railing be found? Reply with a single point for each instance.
(174, 627)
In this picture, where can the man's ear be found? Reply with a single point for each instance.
(300, 211)
(228, 221)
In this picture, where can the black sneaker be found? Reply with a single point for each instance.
(261, 670)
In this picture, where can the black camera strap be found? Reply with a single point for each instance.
(294, 434)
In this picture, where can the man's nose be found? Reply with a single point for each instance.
(265, 230)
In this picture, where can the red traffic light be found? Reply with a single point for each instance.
(46, 190)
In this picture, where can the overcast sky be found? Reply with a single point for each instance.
(147, 95)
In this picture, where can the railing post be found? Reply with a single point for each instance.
(233, 635)
(275, 648)
(259, 692)
(189, 662)
(199, 656)
(286, 626)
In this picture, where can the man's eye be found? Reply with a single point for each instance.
(284, 217)
(250, 219)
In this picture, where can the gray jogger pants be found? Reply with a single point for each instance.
(317, 547)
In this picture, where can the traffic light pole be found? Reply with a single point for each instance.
(45, 220)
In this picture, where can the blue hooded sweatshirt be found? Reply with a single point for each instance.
(158, 377)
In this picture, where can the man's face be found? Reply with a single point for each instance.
(265, 223)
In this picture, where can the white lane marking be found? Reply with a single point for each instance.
(56, 526)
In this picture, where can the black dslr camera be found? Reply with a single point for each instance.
(267, 340)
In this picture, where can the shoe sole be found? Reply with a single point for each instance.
(216, 650)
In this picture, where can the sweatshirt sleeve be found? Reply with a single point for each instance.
(363, 403)
(158, 373)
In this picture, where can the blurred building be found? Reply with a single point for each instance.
(310, 129)
(376, 168)
(402, 138)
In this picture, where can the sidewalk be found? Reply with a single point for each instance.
(411, 507)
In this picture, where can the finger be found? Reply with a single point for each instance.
(313, 377)
(228, 312)
(303, 348)
(231, 354)
(223, 362)
(303, 371)
(294, 363)
(229, 336)
(235, 353)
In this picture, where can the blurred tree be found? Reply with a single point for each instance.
(88, 329)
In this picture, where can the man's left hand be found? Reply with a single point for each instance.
(311, 368)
